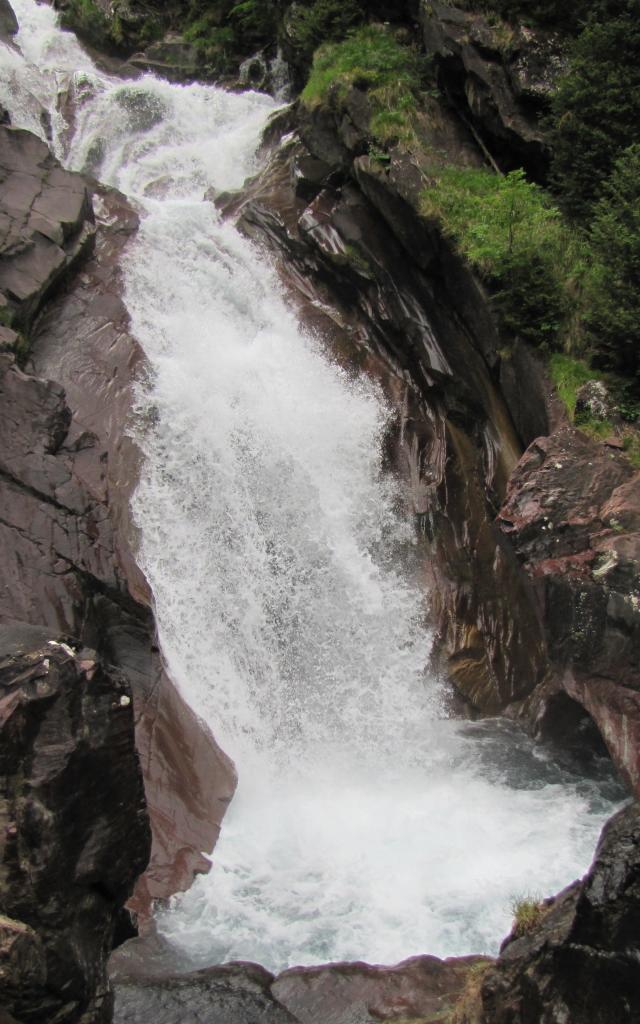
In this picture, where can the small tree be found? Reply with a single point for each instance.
(596, 109)
(614, 320)
(510, 231)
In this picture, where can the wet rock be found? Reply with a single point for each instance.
(231, 994)
(422, 988)
(8, 22)
(529, 393)
(572, 514)
(171, 57)
(580, 963)
(82, 341)
(46, 224)
(73, 824)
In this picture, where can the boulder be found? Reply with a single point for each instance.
(230, 994)
(74, 832)
(580, 962)
(46, 222)
(422, 988)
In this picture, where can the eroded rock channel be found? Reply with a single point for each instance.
(287, 487)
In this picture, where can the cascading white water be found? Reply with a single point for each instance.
(366, 824)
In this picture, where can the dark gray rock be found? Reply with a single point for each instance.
(8, 21)
(580, 963)
(230, 994)
(74, 832)
(499, 75)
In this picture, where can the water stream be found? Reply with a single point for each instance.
(367, 825)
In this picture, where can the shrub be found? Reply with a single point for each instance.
(320, 22)
(596, 109)
(514, 236)
(372, 59)
(614, 315)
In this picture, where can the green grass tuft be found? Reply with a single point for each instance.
(373, 60)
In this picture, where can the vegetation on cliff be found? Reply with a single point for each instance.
(372, 59)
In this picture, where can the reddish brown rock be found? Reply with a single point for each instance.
(46, 224)
(402, 306)
(422, 988)
(74, 832)
(572, 514)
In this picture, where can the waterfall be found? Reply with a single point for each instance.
(285, 573)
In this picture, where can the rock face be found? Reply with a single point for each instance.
(66, 474)
(74, 833)
(572, 513)
(46, 223)
(580, 964)
(404, 307)
(499, 76)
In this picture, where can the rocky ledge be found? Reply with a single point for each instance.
(74, 832)
(422, 988)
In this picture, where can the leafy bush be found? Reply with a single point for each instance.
(322, 21)
(372, 59)
(614, 315)
(568, 375)
(596, 109)
(512, 234)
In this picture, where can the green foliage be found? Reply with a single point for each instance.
(512, 234)
(568, 375)
(468, 1006)
(214, 43)
(254, 20)
(310, 25)
(528, 912)
(614, 315)
(596, 109)
(86, 18)
(223, 30)
(372, 59)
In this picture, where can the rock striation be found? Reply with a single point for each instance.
(74, 832)
(572, 513)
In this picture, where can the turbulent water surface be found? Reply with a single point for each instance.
(366, 824)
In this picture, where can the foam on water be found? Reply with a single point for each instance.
(366, 824)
